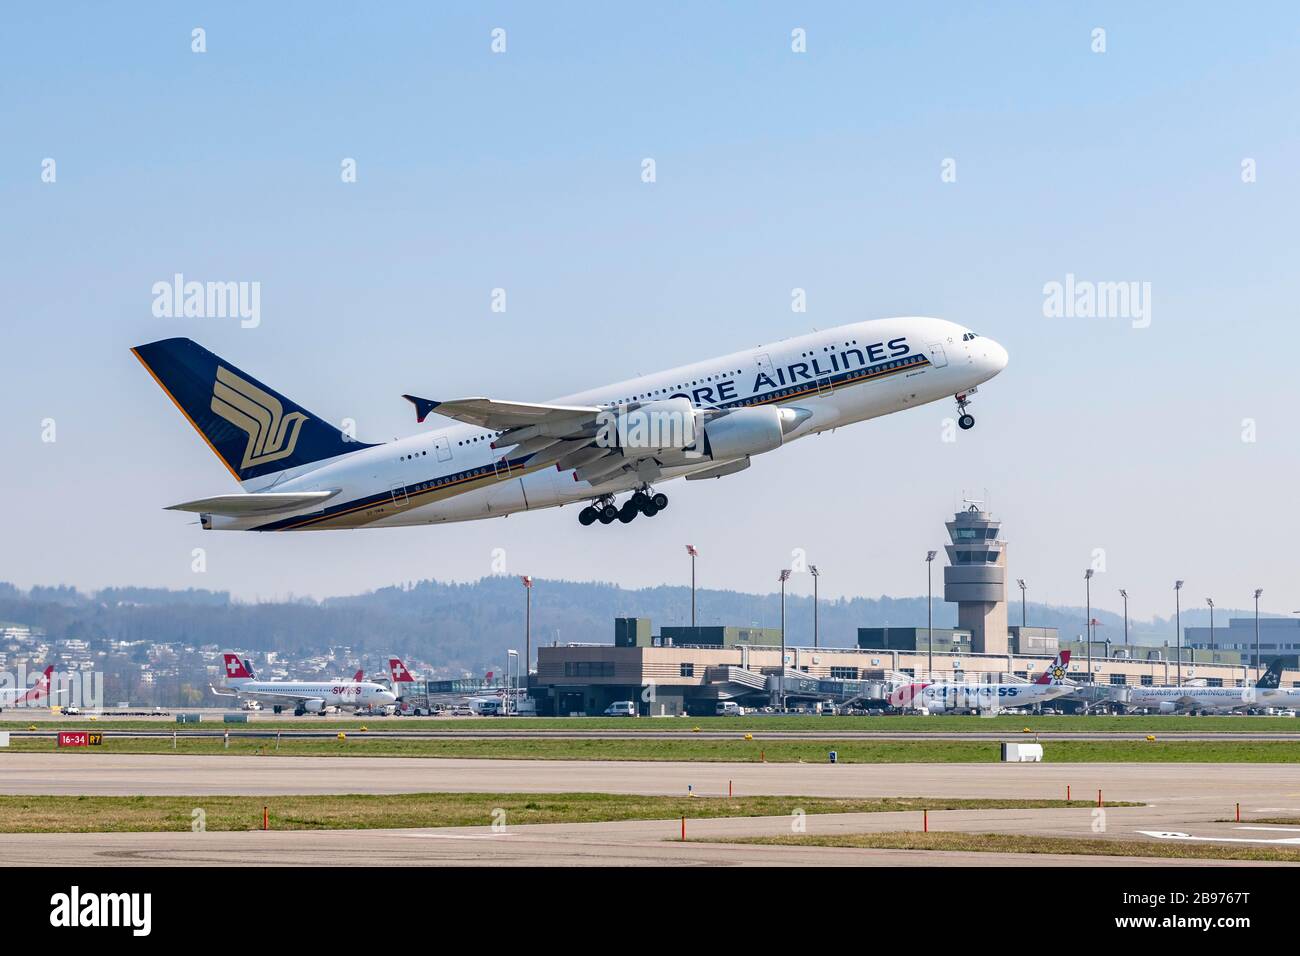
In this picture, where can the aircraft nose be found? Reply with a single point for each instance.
(995, 355)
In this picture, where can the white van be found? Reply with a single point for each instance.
(621, 708)
(728, 708)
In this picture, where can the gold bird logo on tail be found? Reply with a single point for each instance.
(272, 435)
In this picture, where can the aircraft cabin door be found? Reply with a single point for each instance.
(443, 448)
(764, 363)
(825, 382)
(938, 358)
(501, 467)
(398, 491)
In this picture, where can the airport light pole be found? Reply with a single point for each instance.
(812, 569)
(1023, 613)
(1210, 602)
(1087, 585)
(690, 549)
(1124, 594)
(528, 622)
(1178, 629)
(785, 576)
(511, 688)
(929, 613)
(1258, 592)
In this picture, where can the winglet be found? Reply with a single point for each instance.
(423, 406)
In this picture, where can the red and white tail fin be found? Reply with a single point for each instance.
(1056, 673)
(236, 672)
(359, 676)
(40, 689)
(399, 671)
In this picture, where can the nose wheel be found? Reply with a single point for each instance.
(644, 502)
(966, 420)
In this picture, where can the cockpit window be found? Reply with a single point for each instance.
(968, 336)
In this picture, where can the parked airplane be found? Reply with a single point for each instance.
(305, 697)
(951, 697)
(1198, 699)
(704, 420)
(25, 696)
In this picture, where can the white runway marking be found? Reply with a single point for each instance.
(1175, 835)
(457, 836)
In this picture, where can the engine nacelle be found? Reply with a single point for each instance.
(652, 427)
(1167, 707)
(935, 707)
(746, 431)
(314, 706)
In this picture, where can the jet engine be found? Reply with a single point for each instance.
(1168, 707)
(750, 431)
(314, 706)
(656, 426)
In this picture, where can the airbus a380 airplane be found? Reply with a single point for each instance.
(704, 420)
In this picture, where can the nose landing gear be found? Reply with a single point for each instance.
(966, 421)
(646, 502)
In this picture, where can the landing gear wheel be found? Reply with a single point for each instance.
(587, 516)
(660, 501)
(608, 513)
(649, 510)
(639, 500)
(628, 512)
(966, 422)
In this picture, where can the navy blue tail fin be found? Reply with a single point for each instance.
(253, 429)
(1272, 676)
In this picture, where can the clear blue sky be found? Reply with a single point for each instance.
(775, 170)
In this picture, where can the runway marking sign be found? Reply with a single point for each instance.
(79, 738)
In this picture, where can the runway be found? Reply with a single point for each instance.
(653, 843)
(1179, 798)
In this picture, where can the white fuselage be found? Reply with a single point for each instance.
(344, 694)
(836, 377)
(956, 697)
(1221, 699)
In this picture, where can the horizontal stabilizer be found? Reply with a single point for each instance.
(254, 504)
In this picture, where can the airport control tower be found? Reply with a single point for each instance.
(976, 578)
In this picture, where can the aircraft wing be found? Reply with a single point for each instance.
(253, 504)
(498, 415)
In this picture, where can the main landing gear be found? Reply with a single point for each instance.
(644, 502)
(967, 420)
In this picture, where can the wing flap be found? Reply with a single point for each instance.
(254, 504)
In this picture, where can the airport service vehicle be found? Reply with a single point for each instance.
(621, 708)
(494, 457)
(305, 697)
(1205, 700)
(953, 698)
(728, 708)
(29, 696)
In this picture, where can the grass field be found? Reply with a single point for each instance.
(1012, 843)
(900, 723)
(694, 748)
(57, 814)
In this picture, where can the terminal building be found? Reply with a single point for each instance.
(691, 670)
(1277, 636)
